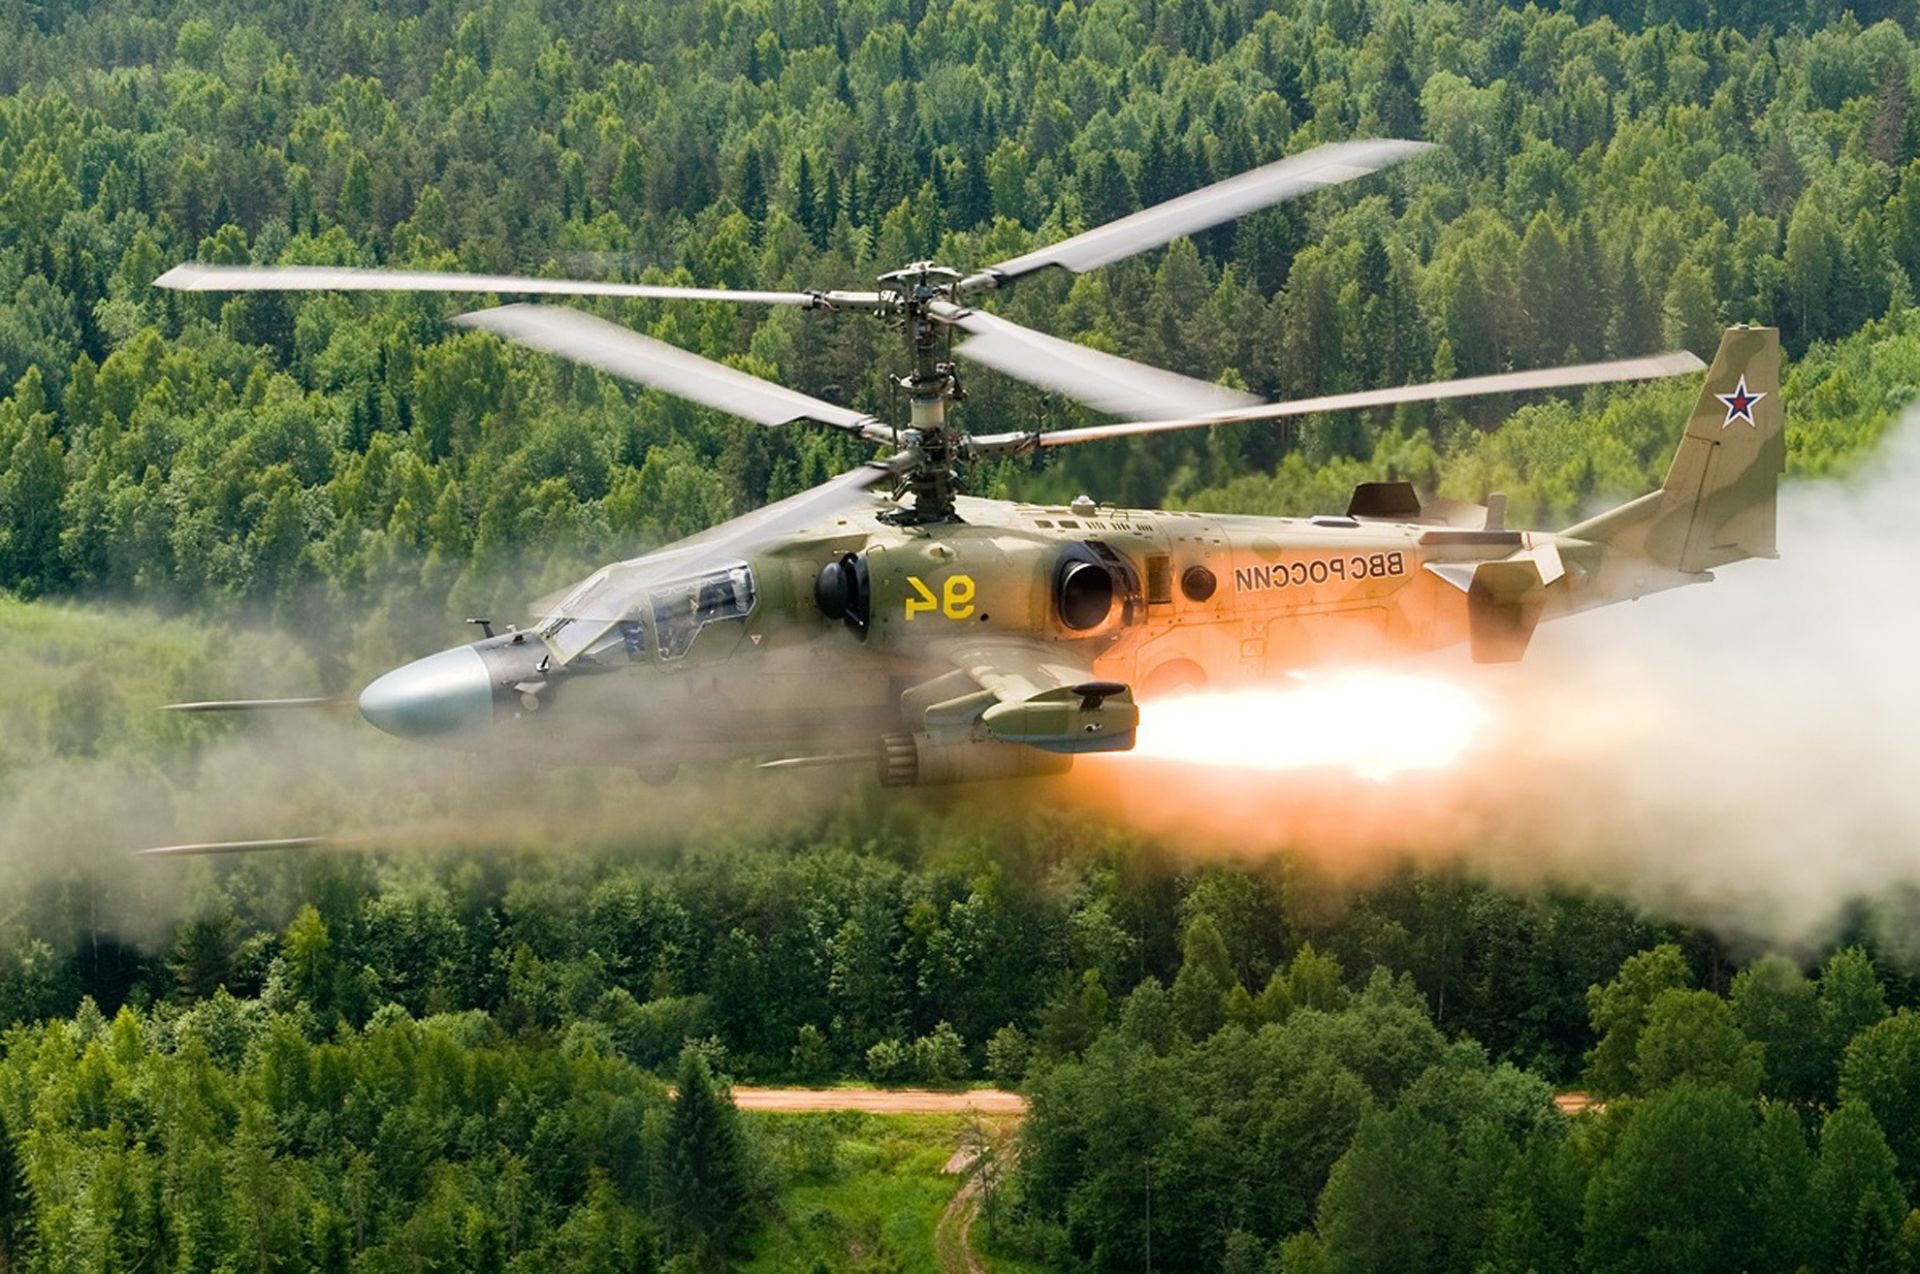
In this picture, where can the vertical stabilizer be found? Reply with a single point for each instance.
(1717, 505)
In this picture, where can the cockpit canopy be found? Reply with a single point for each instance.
(609, 613)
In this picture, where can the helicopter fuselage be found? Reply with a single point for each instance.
(764, 658)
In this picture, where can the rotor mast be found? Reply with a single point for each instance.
(931, 385)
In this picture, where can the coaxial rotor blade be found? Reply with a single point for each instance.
(1208, 206)
(1105, 382)
(192, 276)
(239, 846)
(623, 352)
(772, 521)
(1648, 368)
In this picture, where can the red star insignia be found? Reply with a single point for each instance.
(1740, 403)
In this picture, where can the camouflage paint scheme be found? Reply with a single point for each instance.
(968, 670)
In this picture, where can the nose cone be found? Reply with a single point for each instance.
(444, 694)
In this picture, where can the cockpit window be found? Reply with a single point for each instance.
(586, 613)
(683, 608)
(604, 616)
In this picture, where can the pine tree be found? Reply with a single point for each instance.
(1156, 167)
(707, 1185)
(1888, 136)
(1856, 1192)
(1206, 976)
(574, 204)
(1635, 327)
(31, 483)
(1587, 316)
(1397, 100)
(829, 210)
(975, 202)
(1105, 192)
(806, 209)
(630, 181)
(355, 205)
(1543, 279)
(753, 189)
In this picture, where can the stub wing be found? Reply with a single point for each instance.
(1505, 598)
(1034, 692)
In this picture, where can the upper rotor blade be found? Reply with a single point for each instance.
(623, 352)
(1648, 368)
(1208, 206)
(1118, 386)
(192, 276)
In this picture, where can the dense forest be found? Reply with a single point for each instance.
(459, 1060)
(1606, 183)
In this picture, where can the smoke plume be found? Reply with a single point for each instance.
(1744, 755)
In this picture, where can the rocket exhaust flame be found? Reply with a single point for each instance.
(1370, 724)
(1742, 759)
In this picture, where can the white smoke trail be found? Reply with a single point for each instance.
(1744, 754)
(1762, 733)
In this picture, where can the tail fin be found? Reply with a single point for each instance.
(1717, 505)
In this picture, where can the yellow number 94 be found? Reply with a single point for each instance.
(955, 600)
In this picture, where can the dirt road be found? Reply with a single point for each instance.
(877, 1101)
(953, 1236)
(1577, 1103)
(930, 1101)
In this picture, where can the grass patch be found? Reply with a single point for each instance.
(858, 1192)
(1001, 1262)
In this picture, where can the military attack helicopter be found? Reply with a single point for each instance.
(886, 618)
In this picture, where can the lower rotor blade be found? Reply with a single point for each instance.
(771, 521)
(623, 352)
(240, 846)
(259, 705)
(1648, 368)
(1105, 382)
